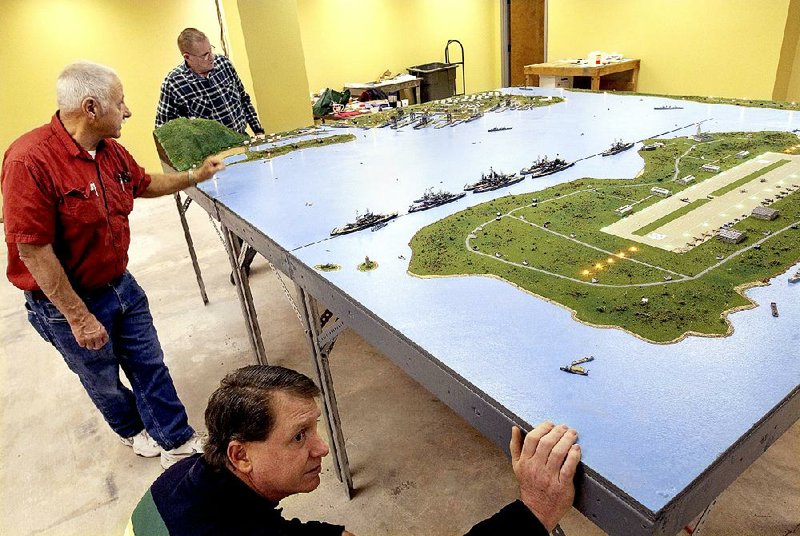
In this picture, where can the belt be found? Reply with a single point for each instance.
(38, 295)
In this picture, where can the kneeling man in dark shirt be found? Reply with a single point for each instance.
(263, 446)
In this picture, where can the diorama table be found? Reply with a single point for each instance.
(619, 75)
(388, 86)
(665, 428)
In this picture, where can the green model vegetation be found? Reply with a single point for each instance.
(452, 110)
(278, 150)
(328, 267)
(368, 265)
(187, 142)
(751, 103)
(550, 243)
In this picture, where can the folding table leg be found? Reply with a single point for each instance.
(242, 282)
(190, 244)
(320, 352)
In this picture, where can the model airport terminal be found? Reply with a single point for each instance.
(663, 255)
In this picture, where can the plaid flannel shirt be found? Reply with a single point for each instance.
(219, 96)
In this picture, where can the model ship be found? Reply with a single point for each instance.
(473, 117)
(575, 368)
(368, 219)
(430, 200)
(774, 307)
(668, 107)
(544, 166)
(494, 180)
(617, 147)
(498, 129)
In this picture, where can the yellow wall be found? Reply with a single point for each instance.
(136, 38)
(793, 89)
(725, 48)
(272, 38)
(356, 41)
(787, 83)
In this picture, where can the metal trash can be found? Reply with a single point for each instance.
(438, 80)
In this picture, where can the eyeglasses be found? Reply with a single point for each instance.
(207, 56)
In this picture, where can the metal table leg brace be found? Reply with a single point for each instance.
(182, 208)
(321, 344)
(245, 296)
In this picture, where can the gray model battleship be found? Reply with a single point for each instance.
(498, 129)
(368, 219)
(494, 180)
(668, 107)
(544, 166)
(617, 147)
(430, 200)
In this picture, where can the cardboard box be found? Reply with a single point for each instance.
(556, 82)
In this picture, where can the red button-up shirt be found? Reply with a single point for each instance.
(54, 192)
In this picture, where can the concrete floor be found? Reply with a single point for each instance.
(418, 468)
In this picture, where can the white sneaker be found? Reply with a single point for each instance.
(171, 457)
(143, 445)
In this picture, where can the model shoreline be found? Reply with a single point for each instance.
(560, 242)
(741, 289)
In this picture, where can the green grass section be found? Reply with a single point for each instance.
(521, 242)
(289, 147)
(585, 206)
(652, 226)
(187, 142)
(750, 103)
(744, 180)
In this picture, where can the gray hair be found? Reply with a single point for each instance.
(81, 80)
(189, 37)
(242, 407)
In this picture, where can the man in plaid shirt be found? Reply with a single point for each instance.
(206, 86)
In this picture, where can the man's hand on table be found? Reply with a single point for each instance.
(544, 464)
(210, 166)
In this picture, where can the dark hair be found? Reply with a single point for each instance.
(188, 37)
(241, 408)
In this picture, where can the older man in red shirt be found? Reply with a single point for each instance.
(68, 188)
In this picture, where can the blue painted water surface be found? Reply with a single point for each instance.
(651, 417)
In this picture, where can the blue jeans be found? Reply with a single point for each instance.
(123, 309)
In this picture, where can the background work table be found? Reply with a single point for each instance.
(389, 86)
(621, 75)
